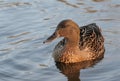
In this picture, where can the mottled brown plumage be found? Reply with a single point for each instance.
(79, 44)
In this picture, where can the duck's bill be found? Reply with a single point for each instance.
(51, 38)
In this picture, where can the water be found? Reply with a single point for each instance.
(25, 24)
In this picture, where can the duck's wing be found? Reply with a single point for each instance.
(91, 38)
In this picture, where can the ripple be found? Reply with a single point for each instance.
(115, 5)
(20, 41)
(21, 34)
(6, 49)
(46, 18)
(80, 3)
(22, 67)
(98, 0)
(90, 10)
(111, 31)
(43, 65)
(69, 4)
(105, 19)
(13, 4)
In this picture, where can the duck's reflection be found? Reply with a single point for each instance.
(72, 71)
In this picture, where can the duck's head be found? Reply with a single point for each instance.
(67, 29)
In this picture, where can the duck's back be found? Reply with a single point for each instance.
(91, 39)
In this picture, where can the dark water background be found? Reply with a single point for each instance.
(25, 24)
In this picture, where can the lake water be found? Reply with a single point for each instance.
(25, 24)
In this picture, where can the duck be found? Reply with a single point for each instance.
(78, 44)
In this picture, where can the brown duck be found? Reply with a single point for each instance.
(78, 44)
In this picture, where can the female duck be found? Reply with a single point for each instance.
(79, 44)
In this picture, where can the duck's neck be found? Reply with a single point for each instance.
(72, 42)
